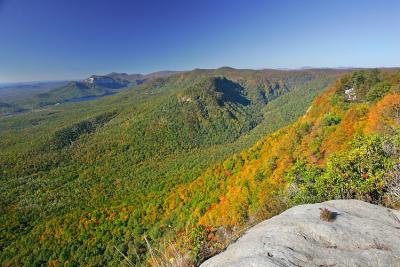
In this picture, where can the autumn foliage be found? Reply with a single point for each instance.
(170, 181)
(384, 117)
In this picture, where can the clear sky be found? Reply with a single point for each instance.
(66, 39)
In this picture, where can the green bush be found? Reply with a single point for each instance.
(331, 119)
(378, 91)
(358, 173)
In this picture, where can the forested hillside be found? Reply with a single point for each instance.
(347, 146)
(84, 183)
(157, 133)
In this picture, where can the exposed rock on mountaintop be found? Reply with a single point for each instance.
(361, 234)
(105, 81)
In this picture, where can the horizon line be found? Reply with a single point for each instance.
(148, 73)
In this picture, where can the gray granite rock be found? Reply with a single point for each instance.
(361, 235)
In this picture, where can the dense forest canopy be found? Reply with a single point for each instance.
(174, 168)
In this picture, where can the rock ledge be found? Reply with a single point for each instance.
(361, 235)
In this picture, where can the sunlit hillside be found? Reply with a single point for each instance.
(65, 162)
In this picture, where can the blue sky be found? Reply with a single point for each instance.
(70, 39)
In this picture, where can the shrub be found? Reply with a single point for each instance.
(367, 171)
(378, 91)
(331, 119)
(327, 215)
(392, 179)
(357, 173)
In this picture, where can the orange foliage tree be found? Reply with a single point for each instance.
(385, 115)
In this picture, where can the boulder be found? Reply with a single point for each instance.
(359, 234)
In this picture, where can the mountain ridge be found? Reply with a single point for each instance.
(181, 159)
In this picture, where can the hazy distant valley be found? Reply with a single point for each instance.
(21, 97)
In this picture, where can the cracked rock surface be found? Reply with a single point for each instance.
(361, 234)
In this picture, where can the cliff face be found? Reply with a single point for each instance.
(359, 234)
(105, 81)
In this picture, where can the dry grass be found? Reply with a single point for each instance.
(379, 246)
(327, 215)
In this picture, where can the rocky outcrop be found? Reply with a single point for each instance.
(104, 81)
(360, 234)
(350, 94)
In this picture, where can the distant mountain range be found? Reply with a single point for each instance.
(139, 78)
(24, 96)
(98, 85)
(14, 91)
